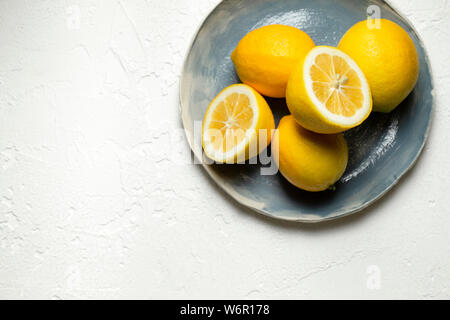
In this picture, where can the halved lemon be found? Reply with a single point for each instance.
(327, 92)
(237, 126)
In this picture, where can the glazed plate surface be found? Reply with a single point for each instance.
(381, 150)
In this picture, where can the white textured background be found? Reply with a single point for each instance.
(93, 206)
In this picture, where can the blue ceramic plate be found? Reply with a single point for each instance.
(381, 150)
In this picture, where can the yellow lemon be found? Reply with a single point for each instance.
(387, 55)
(237, 125)
(265, 57)
(308, 160)
(327, 92)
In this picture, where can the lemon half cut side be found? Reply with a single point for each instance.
(328, 92)
(237, 126)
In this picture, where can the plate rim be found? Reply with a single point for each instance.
(241, 200)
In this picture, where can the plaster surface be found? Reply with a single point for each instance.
(93, 203)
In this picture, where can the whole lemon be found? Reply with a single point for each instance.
(387, 56)
(265, 57)
(308, 160)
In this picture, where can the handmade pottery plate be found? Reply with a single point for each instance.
(381, 150)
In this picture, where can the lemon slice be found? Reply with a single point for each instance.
(237, 125)
(328, 92)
